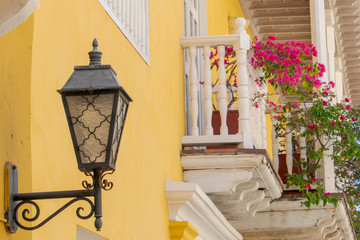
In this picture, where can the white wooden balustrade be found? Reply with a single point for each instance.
(249, 135)
(326, 172)
(278, 143)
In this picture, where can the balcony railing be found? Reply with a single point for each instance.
(286, 150)
(251, 130)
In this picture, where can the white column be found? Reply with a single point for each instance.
(208, 92)
(263, 125)
(241, 47)
(318, 32)
(302, 145)
(330, 36)
(194, 111)
(339, 88)
(328, 169)
(222, 103)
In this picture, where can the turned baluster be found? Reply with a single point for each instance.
(288, 146)
(208, 92)
(222, 103)
(302, 144)
(194, 108)
(241, 47)
(263, 124)
(275, 143)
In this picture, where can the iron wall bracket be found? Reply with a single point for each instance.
(15, 200)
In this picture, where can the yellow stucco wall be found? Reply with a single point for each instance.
(61, 36)
(15, 72)
(218, 14)
(38, 57)
(149, 153)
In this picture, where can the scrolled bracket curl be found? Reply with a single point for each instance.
(104, 183)
(25, 212)
(86, 184)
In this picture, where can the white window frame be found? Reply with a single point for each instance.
(196, 8)
(142, 46)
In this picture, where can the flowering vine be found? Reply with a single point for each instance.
(230, 68)
(330, 128)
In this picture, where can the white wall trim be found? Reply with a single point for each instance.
(19, 17)
(187, 202)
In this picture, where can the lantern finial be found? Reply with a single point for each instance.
(95, 54)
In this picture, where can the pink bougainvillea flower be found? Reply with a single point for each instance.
(348, 107)
(296, 105)
(311, 127)
(353, 119)
(326, 194)
(272, 38)
(325, 103)
(332, 84)
(314, 180)
(342, 118)
(277, 116)
(333, 124)
(347, 100)
(308, 186)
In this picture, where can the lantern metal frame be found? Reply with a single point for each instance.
(15, 201)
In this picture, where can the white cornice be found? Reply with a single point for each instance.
(187, 202)
(345, 220)
(14, 13)
(235, 162)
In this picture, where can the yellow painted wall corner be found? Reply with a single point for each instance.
(182, 231)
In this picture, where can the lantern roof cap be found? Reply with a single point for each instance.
(93, 77)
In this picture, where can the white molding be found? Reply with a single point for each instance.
(213, 181)
(211, 140)
(234, 162)
(187, 202)
(345, 221)
(19, 17)
(224, 40)
(216, 161)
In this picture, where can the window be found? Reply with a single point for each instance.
(194, 26)
(132, 17)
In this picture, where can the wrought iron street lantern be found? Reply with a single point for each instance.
(96, 106)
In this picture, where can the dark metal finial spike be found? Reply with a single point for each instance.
(95, 43)
(95, 54)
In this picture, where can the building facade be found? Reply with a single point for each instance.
(166, 186)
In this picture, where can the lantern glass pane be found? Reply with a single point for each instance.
(119, 125)
(91, 118)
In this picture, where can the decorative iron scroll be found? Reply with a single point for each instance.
(26, 212)
(103, 183)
